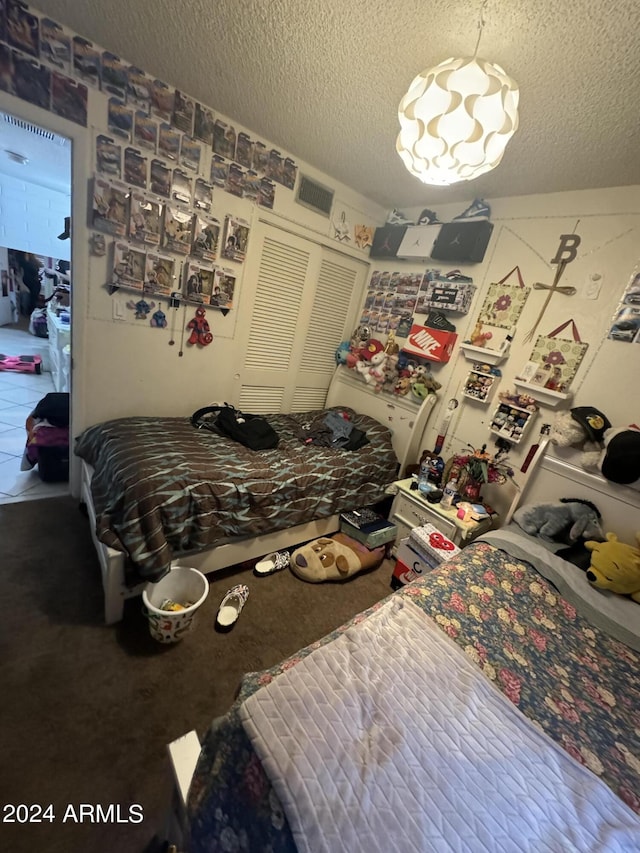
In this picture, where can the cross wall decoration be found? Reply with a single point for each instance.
(567, 252)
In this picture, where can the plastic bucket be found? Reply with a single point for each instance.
(181, 584)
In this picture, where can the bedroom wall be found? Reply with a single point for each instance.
(121, 365)
(526, 232)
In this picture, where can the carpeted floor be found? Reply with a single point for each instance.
(87, 710)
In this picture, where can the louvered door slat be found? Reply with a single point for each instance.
(281, 281)
(330, 309)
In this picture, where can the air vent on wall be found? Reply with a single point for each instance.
(33, 128)
(314, 195)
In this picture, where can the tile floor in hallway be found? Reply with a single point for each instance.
(19, 393)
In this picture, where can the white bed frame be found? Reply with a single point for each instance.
(407, 421)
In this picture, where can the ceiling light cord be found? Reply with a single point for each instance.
(481, 23)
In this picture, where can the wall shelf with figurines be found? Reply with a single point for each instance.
(481, 382)
(385, 368)
(513, 416)
(545, 396)
(490, 356)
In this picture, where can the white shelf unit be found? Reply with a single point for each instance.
(480, 385)
(511, 422)
(543, 395)
(488, 356)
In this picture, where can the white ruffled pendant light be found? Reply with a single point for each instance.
(456, 119)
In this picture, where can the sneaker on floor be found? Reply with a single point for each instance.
(478, 209)
(273, 562)
(397, 217)
(428, 217)
(231, 607)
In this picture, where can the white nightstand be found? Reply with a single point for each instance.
(410, 509)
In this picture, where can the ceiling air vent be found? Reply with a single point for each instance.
(315, 196)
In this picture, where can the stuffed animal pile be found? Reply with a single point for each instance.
(384, 367)
(613, 452)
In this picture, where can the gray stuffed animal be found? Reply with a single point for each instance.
(566, 520)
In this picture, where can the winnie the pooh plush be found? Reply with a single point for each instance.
(615, 566)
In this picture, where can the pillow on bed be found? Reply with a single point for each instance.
(615, 614)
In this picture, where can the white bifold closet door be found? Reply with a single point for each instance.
(303, 300)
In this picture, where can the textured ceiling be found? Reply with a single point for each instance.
(323, 78)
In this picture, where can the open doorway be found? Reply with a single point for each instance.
(35, 307)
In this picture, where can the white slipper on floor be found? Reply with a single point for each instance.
(231, 607)
(274, 562)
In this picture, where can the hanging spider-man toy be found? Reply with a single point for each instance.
(200, 333)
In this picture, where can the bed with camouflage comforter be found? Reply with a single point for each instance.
(161, 487)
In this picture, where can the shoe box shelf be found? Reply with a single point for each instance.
(511, 421)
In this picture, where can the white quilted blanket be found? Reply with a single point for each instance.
(389, 739)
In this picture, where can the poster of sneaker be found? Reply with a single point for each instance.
(69, 98)
(87, 62)
(169, 142)
(224, 139)
(181, 187)
(135, 168)
(236, 239)
(31, 81)
(115, 75)
(224, 286)
(198, 283)
(202, 195)
(139, 89)
(244, 150)
(120, 119)
(145, 131)
(190, 153)
(177, 233)
(128, 266)
(203, 124)
(145, 216)
(183, 113)
(160, 179)
(206, 238)
(23, 28)
(109, 207)
(55, 45)
(162, 100)
(108, 156)
(159, 274)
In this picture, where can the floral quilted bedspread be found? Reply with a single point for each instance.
(162, 487)
(572, 680)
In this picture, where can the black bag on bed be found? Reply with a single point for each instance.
(251, 430)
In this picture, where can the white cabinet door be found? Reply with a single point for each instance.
(303, 301)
